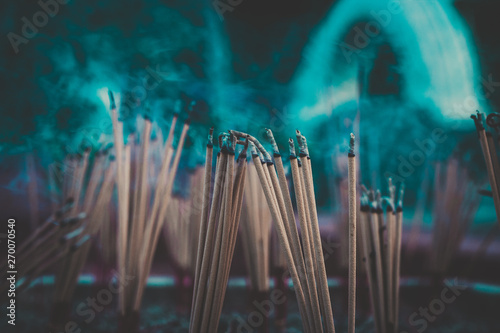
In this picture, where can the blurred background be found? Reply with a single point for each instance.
(404, 76)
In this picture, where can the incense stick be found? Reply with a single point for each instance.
(352, 237)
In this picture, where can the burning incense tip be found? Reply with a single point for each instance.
(400, 198)
(273, 142)
(253, 150)
(291, 145)
(299, 137)
(351, 145)
(112, 104)
(304, 145)
(210, 142)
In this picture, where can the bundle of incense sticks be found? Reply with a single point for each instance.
(381, 234)
(46, 246)
(181, 227)
(90, 181)
(218, 231)
(255, 232)
(181, 231)
(489, 149)
(304, 260)
(455, 203)
(139, 222)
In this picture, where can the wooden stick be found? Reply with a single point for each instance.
(307, 244)
(212, 302)
(156, 226)
(323, 282)
(282, 239)
(199, 297)
(369, 263)
(399, 231)
(296, 247)
(489, 164)
(207, 182)
(352, 238)
(374, 229)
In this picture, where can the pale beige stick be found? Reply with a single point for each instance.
(217, 254)
(370, 267)
(389, 263)
(75, 267)
(278, 198)
(305, 154)
(95, 178)
(352, 238)
(375, 235)
(49, 224)
(125, 301)
(140, 197)
(295, 242)
(78, 189)
(159, 199)
(494, 157)
(316, 238)
(65, 269)
(195, 218)
(48, 240)
(252, 233)
(308, 247)
(236, 217)
(199, 297)
(306, 172)
(285, 246)
(314, 278)
(69, 239)
(390, 252)
(79, 259)
(256, 228)
(156, 226)
(248, 227)
(229, 232)
(105, 193)
(144, 190)
(207, 183)
(397, 259)
(489, 164)
(120, 183)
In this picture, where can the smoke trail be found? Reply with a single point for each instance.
(437, 56)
